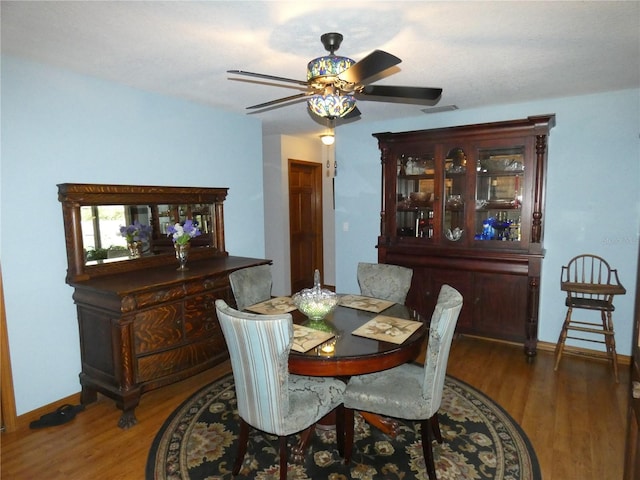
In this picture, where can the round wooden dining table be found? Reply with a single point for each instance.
(349, 354)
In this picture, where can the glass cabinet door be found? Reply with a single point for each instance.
(415, 190)
(455, 174)
(499, 186)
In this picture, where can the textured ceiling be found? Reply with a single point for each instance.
(480, 53)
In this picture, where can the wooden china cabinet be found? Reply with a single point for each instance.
(464, 206)
(143, 324)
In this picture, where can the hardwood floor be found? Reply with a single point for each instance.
(575, 419)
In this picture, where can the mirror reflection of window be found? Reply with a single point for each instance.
(101, 230)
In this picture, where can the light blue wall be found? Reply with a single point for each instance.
(593, 192)
(60, 127)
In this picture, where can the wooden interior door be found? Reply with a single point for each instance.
(632, 451)
(305, 222)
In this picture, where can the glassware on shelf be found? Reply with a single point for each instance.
(419, 198)
(456, 161)
(455, 234)
(454, 201)
(500, 227)
(409, 166)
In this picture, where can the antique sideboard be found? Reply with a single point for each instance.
(144, 324)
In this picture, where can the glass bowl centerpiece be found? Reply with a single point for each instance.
(316, 303)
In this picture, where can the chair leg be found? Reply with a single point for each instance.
(283, 457)
(242, 446)
(562, 338)
(427, 448)
(340, 429)
(435, 427)
(610, 342)
(348, 434)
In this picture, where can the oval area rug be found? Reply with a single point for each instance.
(481, 441)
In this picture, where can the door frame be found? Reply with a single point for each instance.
(632, 447)
(7, 396)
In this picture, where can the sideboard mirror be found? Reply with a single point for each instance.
(93, 215)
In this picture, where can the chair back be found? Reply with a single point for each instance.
(587, 279)
(259, 348)
(251, 285)
(443, 324)
(387, 282)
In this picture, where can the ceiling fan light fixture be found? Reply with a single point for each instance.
(328, 139)
(333, 81)
(331, 105)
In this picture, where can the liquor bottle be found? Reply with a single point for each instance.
(430, 225)
(421, 226)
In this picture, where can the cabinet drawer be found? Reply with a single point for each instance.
(158, 365)
(159, 328)
(200, 319)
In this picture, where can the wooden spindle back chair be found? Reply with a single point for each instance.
(590, 284)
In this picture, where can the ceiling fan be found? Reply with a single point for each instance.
(334, 83)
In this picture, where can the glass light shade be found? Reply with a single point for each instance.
(328, 139)
(328, 66)
(331, 106)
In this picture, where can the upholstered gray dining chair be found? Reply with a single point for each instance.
(387, 282)
(269, 398)
(251, 285)
(410, 391)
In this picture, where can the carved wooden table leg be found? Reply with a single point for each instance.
(387, 425)
(297, 453)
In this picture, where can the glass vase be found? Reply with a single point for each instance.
(135, 249)
(182, 254)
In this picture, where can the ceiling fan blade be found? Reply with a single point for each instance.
(353, 113)
(268, 77)
(418, 93)
(374, 63)
(280, 100)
